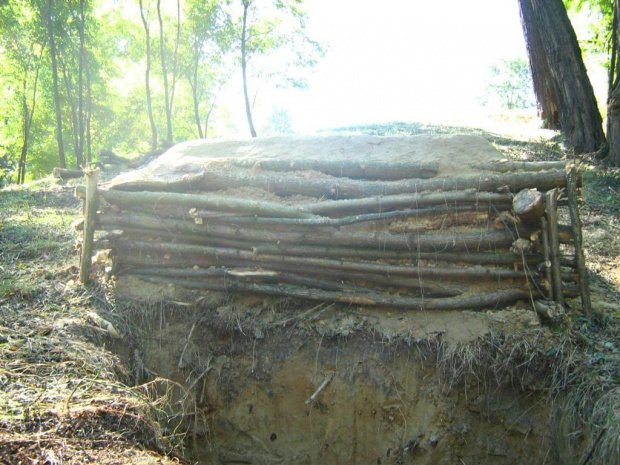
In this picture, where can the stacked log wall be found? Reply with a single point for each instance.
(482, 241)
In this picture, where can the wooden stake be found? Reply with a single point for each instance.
(551, 205)
(582, 271)
(90, 214)
(546, 255)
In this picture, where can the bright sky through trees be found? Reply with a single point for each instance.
(400, 60)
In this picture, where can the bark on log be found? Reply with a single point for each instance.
(234, 256)
(584, 287)
(554, 245)
(492, 300)
(385, 203)
(353, 169)
(244, 275)
(343, 188)
(90, 212)
(64, 174)
(337, 188)
(215, 202)
(381, 241)
(128, 262)
(508, 166)
(528, 206)
(334, 222)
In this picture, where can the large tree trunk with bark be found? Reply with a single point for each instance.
(555, 55)
(544, 89)
(613, 100)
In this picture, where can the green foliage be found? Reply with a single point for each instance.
(113, 114)
(600, 13)
(510, 85)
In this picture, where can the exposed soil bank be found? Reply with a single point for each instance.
(384, 399)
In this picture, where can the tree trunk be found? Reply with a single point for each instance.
(579, 115)
(544, 88)
(79, 150)
(147, 75)
(50, 31)
(193, 82)
(71, 97)
(613, 100)
(248, 109)
(164, 71)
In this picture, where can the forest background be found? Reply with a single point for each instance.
(133, 76)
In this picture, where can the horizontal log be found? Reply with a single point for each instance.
(344, 188)
(440, 210)
(243, 274)
(381, 241)
(493, 300)
(354, 169)
(233, 256)
(215, 202)
(129, 262)
(508, 165)
(384, 203)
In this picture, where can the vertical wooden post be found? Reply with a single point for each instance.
(546, 255)
(90, 213)
(575, 219)
(551, 207)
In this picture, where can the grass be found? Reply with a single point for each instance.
(64, 398)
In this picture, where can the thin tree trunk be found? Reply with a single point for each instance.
(248, 109)
(193, 82)
(28, 118)
(50, 31)
(79, 149)
(175, 59)
(164, 70)
(73, 108)
(147, 75)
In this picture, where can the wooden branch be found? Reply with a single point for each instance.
(492, 300)
(245, 274)
(376, 170)
(554, 245)
(313, 397)
(232, 256)
(344, 188)
(383, 203)
(90, 212)
(380, 241)
(129, 262)
(334, 222)
(215, 202)
(507, 166)
(573, 208)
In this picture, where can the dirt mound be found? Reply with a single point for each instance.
(187, 161)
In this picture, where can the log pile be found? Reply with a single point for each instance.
(385, 233)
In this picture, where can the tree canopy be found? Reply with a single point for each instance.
(84, 75)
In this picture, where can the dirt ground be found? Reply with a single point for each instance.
(86, 379)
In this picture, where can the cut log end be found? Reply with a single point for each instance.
(529, 206)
